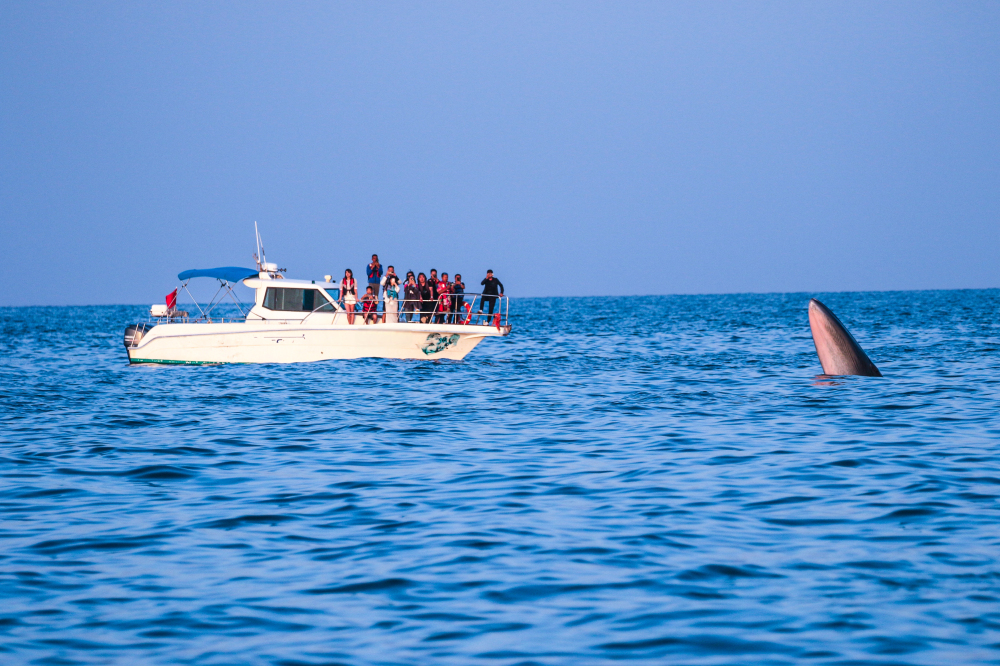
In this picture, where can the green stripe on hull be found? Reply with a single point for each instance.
(165, 362)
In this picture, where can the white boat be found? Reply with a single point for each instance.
(294, 321)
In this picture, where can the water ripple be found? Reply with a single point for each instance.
(674, 484)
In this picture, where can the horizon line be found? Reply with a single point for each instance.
(675, 295)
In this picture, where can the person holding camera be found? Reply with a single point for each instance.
(457, 299)
(390, 302)
(411, 299)
(492, 289)
(375, 275)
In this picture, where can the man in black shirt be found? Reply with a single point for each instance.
(492, 288)
(457, 299)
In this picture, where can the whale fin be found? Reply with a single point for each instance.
(838, 351)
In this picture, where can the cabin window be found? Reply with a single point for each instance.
(295, 300)
(320, 304)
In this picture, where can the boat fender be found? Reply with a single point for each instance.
(496, 321)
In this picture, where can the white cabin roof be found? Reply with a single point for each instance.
(257, 283)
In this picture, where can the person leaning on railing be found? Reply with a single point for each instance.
(492, 289)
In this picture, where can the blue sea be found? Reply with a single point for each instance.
(647, 480)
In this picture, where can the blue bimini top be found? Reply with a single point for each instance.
(227, 273)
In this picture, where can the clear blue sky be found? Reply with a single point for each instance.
(576, 148)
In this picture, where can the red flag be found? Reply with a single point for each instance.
(172, 300)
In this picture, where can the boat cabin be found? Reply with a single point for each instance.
(295, 300)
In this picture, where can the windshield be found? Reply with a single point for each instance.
(296, 300)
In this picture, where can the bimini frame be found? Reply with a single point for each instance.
(225, 289)
(228, 277)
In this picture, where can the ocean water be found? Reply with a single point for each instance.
(647, 480)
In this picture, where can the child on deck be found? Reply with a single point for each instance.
(369, 306)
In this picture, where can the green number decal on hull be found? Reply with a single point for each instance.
(437, 342)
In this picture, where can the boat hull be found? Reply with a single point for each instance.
(177, 343)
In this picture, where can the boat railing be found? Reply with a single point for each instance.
(466, 308)
(471, 309)
(182, 319)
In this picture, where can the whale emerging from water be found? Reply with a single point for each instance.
(838, 351)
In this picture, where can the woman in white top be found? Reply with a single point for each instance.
(349, 294)
(390, 304)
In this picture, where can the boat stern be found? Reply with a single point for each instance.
(133, 336)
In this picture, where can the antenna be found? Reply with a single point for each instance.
(259, 257)
(262, 266)
(256, 255)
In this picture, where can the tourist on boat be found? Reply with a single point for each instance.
(411, 298)
(433, 282)
(369, 306)
(390, 303)
(457, 299)
(389, 272)
(375, 275)
(492, 288)
(428, 297)
(444, 300)
(349, 294)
